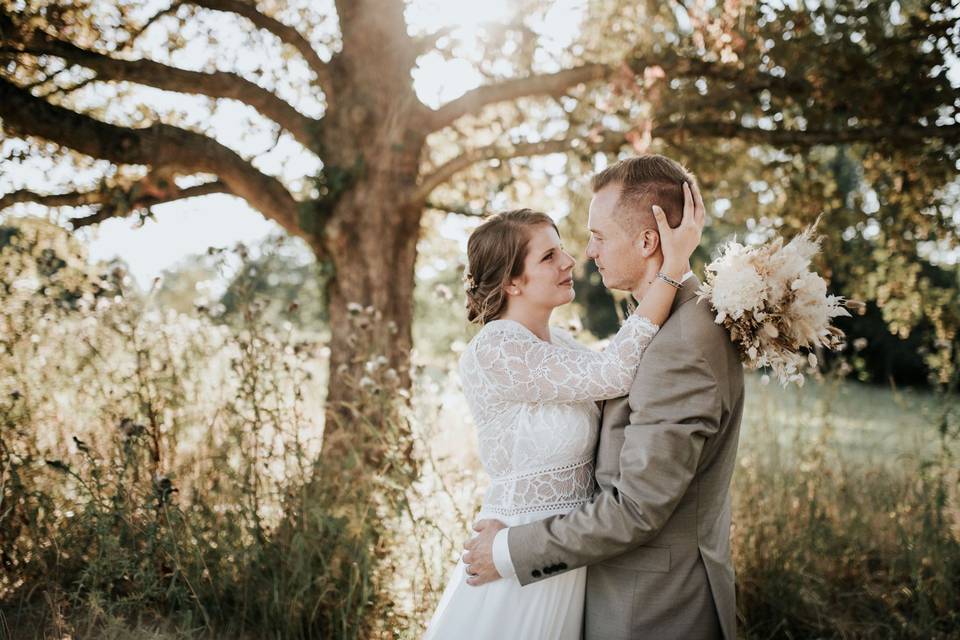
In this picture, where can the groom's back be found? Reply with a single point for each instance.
(671, 446)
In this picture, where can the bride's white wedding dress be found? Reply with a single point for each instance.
(533, 404)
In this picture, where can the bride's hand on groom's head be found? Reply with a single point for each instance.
(679, 243)
(479, 553)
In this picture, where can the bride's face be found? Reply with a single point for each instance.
(547, 279)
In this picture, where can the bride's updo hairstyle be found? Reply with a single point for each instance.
(495, 254)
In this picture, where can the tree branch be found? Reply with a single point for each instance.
(893, 134)
(676, 66)
(219, 84)
(458, 210)
(609, 142)
(136, 33)
(114, 202)
(612, 141)
(551, 84)
(428, 41)
(286, 33)
(159, 146)
(379, 23)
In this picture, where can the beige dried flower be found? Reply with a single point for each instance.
(773, 305)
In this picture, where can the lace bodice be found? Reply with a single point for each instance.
(533, 404)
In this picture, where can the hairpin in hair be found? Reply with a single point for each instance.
(469, 284)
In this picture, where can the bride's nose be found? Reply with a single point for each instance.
(570, 262)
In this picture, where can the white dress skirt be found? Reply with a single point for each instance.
(503, 610)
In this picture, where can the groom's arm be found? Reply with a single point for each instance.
(675, 406)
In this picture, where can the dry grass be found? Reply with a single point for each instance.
(160, 478)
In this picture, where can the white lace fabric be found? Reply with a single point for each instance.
(533, 404)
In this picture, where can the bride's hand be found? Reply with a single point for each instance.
(679, 244)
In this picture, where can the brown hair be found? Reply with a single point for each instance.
(645, 181)
(495, 254)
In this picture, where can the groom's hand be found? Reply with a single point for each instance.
(479, 555)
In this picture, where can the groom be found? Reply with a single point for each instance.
(656, 536)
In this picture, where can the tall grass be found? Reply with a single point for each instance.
(831, 543)
(160, 477)
(162, 471)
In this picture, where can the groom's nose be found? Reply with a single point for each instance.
(591, 249)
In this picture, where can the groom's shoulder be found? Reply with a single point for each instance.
(692, 324)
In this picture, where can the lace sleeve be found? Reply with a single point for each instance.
(518, 366)
(565, 338)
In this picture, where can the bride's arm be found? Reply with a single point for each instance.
(677, 245)
(515, 365)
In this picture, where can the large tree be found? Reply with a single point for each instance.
(751, 85)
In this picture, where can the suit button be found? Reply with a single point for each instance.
(548, 570)
(535, 573)
(562, 566)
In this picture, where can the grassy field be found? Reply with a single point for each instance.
(158, 479)
(870, 424)
(846, 521)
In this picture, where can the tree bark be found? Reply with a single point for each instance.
(370, 305)
(372, 148)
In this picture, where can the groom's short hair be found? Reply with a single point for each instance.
(645, 181)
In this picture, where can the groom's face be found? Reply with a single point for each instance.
(611, 247)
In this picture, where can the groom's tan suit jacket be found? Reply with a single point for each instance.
(656, 536)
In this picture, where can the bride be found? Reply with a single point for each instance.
(532, 390)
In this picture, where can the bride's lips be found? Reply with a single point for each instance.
(566, 283)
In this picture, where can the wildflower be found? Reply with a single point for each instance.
(164, 487)
(443, 292)
(81, 445)
(58, 465)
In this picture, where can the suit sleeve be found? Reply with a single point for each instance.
(675, 407)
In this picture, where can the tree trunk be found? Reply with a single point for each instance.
(372, 242)
(372, 145)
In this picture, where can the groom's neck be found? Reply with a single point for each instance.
(646, 279)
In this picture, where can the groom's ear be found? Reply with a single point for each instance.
(648, 242)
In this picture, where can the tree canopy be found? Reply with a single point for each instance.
(785, 110)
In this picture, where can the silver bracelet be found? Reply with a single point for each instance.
(670, 281)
